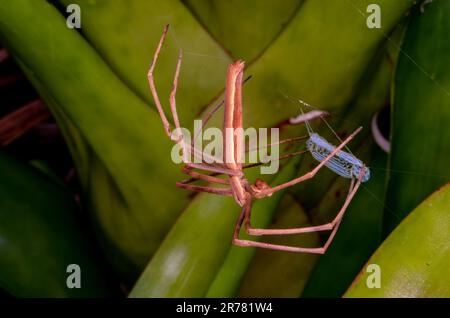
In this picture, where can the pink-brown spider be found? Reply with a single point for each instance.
(236, 184)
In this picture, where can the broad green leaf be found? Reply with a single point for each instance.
(41, 234)
(126, 33)
(126, 138)
(244, 28)
(320, 58)
(188, 258)
(415, 259)
(420, 133)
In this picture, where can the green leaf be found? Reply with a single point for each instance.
(415, 258)
(125, 35)
(188, 258)
(40, 235)
(244, 28)
(420, 133)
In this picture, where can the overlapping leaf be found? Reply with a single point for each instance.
(414, 261)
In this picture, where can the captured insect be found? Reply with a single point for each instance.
(236, 184)
(343, 163)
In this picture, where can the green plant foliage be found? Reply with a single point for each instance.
(420, 113)
(188, 258)
(415, 258)
(305, 61)
(126, 34)
(40, 235)
(238, 24)
(94, 81)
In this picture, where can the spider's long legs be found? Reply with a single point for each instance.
(212, 168)
(340, 215)
(285, 156)
(281, 142)
(215, 169)
(240, 242)
(220, 191)
(195, 176)
(201, 176)
(172, 100)
(324, 227)
(151, 82)
(206, 119)
(245, 214)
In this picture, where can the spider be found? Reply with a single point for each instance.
(236, 183)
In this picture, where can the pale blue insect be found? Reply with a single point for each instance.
(343, 163)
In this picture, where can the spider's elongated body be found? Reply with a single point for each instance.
(343, 163)
(236, 185)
